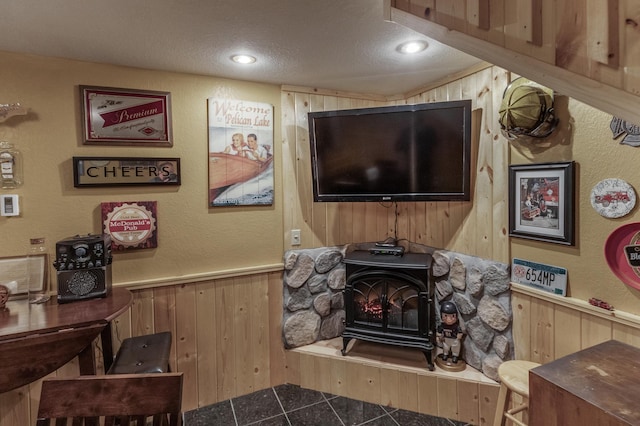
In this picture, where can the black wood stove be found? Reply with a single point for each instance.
(388, 299)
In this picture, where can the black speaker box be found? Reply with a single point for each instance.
(83, 263)
(84, 284)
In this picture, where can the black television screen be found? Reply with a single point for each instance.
(398, 153)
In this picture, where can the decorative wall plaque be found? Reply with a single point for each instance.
(630, 131)
(9, 110)
(114, 116)
(116, 171)
(132, 225)
(613, 198)
(240, 153)
(552, 279)
(622, 253)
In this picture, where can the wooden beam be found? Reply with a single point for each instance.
(609, 99)
(386, 8)
(478, 13)
(536, 22)
(603, 41)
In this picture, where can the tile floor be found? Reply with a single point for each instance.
(291, 405)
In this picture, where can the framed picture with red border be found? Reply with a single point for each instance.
(114, 116)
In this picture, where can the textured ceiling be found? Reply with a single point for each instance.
(340, 45)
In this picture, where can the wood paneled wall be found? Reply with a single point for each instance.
(226, 333)
(547, 327)
(596, 39)
(227, 339)
(477, 227)
(586, 49)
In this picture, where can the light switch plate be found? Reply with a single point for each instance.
(9, 205)
(295, 237)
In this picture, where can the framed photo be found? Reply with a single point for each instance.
(112, 116)
(541, 198)
(118, 171)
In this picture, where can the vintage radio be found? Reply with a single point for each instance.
(83, 263)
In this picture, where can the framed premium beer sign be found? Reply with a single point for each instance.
(112, 116)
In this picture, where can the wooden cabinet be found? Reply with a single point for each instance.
(596, 386)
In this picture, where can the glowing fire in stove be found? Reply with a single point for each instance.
(373, 308)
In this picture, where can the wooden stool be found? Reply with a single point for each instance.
(514, 377)
(143, 354)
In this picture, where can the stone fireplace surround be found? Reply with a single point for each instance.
(314, 306)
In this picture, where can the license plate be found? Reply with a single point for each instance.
(552, 279)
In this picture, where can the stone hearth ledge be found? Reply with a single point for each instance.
(314, 306)
(399, 358)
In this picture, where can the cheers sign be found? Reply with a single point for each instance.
(116, 171)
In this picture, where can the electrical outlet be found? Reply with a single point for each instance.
(295, 237)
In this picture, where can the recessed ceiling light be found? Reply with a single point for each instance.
(414, 46)
(243, 59)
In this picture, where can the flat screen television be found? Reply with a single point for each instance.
(398, 153)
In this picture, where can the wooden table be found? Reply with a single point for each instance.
(35, 340)
(599, 385)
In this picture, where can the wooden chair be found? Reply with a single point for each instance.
(124, 399)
